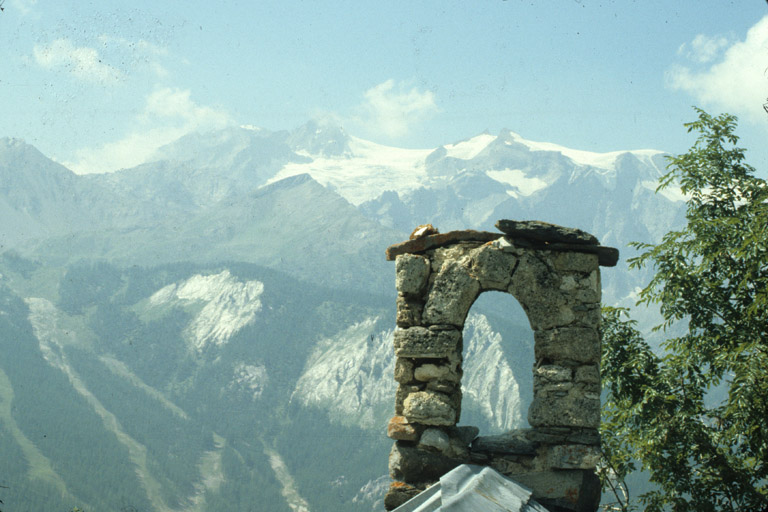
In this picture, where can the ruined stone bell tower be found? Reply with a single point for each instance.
(554, 274)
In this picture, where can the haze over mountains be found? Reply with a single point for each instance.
(184, 335)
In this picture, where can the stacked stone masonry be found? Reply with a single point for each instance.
(554, 274)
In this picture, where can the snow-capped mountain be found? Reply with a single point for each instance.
(217, 323)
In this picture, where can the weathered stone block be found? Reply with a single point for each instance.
(408, 312)
(425, 343)
(451, 296)
(428, 372)
(403, 370)
(590, 289)
(507, 245)
(570, 410)
(441, 386)
(492, 267)
(575, 261)
(564, 435)
(588, 315)
(515, 442)
(574, 490)
(513, 465)
(532, 278)
(401, 394)
(578, 344)
(549, 314)
(429, 408)
(589, 374)
(435, 438)
(537, 289)
(453, 253)
(412, 272)
(399, 493)
(569, 456)
(412, 465)
(399, 429)
(552, 373)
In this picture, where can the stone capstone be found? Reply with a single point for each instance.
(544, 232)
(422, 244)
(420, 342)
(429, 408)
(412, 273)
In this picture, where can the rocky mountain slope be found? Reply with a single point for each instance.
(213, 329)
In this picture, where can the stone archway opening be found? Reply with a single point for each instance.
(553, 272)
(497, 384)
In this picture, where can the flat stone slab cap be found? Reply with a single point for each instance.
(425, 243)
(544, 232)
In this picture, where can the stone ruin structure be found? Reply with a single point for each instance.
(554, 274)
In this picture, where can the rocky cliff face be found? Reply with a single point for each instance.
(233, 295)
(350, 376)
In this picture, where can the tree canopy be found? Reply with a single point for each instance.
(693, 415)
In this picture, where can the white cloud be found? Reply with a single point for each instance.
(737, 79)
(81, 61)
(393, 110)
(167, 115)
(23, 6)
(703, 48)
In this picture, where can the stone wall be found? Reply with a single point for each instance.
(554, 273)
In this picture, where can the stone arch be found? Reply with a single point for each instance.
(553, 272)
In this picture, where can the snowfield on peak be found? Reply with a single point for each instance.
(470, 148)
(362, 176)
(589, 158)
(368, 169)
(228, 305)
(517, 179)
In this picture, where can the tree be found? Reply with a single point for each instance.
(694, 415)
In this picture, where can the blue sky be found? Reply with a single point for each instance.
(98, 85)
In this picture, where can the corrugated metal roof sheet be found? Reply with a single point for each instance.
(470, 488)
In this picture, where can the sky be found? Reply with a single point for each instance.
(100, 85)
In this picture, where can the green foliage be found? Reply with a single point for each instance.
(694, 416)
